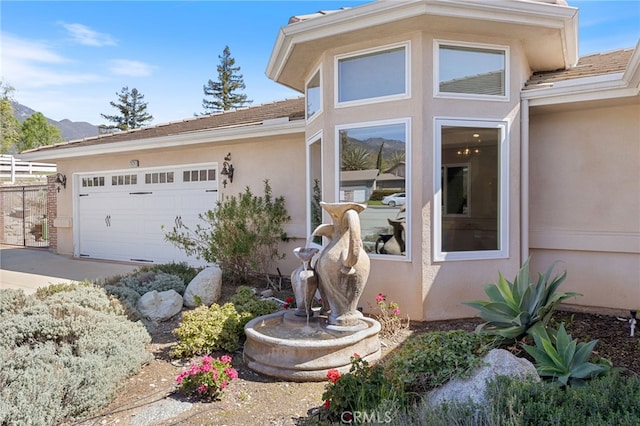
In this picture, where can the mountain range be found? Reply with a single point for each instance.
(70, 130)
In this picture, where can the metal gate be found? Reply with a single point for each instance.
(24, 216)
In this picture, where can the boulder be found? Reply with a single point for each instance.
(160, 306)
(207, 286)
(498, 362)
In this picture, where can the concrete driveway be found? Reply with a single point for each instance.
(27, 268)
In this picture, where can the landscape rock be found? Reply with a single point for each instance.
(160, 306)
(207, 286)
(498, 362)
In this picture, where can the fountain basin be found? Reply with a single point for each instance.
(289, 347)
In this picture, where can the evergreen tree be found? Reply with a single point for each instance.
(9, 125)
(36, 132)
(225, 90)
(132, 108)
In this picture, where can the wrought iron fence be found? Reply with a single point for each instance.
(24, 216)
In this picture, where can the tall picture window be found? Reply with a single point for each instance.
(313, 96)
(470, 214)
(373, 74)
(471, 71)
(374, 167)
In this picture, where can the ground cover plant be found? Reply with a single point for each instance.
(66, 351)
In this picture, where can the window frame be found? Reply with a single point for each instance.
(438, 43)
(406, 45)
(318, 72)
(503, 192)
(406, 121)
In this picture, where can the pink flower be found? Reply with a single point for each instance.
(224, 384)
(231, 372)
(226, 359)
(355, 355)
(396, 311)
(379, 298)
(333, 375)
(202, 388)
(205, 368)
(207, 359)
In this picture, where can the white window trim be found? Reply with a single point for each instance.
(503, 207)
(407, 123)
(448, 95)
(318, 71)
(399, 96)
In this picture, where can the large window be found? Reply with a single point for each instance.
(373, 171)
(471, 190)
(373, 74)
(471, 71)
(313, 95)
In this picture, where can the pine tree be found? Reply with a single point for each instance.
(36, 132)
(224, 91)
(133, 110)
(9, 125)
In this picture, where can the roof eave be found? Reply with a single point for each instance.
(211, 136)
(550, 16)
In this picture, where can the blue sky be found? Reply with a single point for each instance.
(69, 59)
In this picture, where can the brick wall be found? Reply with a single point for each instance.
(52, 212)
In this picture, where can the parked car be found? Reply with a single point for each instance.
(393, 200)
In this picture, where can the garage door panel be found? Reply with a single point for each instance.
(124, 222)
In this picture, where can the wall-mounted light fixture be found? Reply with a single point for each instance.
(61, 180)
(227, 169)
(134, 163)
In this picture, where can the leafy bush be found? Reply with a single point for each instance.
(365, 389)
(207, 379)
(180, 269)
(241, 234)
(428, 360)
(66, 351)
(146, 281)
(514, 307)
(207, 329)
(607, 400)
(11, 301)
(564, 359)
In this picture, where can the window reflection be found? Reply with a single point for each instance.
(373, 171)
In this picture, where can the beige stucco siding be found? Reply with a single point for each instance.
(585, 200)
(280, 159)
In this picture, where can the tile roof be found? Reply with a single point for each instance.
(588, 66)
(293, 109)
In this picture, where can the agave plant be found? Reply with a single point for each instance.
(562, 358)
(514, 307)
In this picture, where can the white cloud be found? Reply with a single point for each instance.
(31, 64)
(84, 35)
(130, 68)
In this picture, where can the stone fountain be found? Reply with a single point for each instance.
(303, 344)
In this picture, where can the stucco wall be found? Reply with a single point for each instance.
(585, 200)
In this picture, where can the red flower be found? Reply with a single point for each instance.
(327, 404)
(333, 375)
(289, 300)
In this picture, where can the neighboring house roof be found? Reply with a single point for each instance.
(491, 83)
(587, 66)
(358, 175)
(287, 110)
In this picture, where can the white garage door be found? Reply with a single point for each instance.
(120, 214)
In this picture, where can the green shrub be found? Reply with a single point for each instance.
(428, 360)
(608, 400)
(241, 235)
(145, 281)
(364, 389)
(207, 329)
(66, 352)
(179, 269)
(514, 307)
